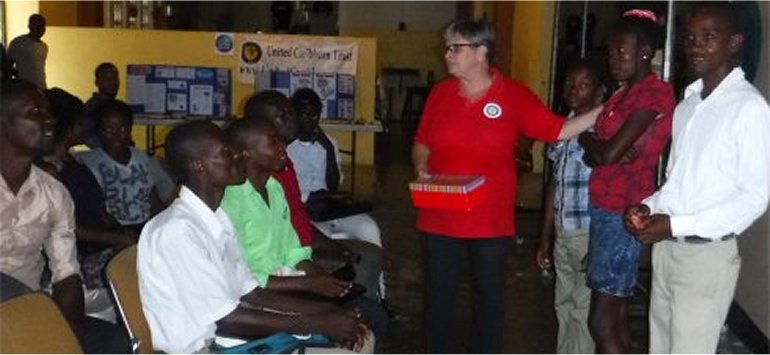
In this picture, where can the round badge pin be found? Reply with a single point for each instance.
(492, 111)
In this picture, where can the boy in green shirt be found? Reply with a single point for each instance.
(260, 214)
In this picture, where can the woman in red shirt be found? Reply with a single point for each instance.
(469, 127)
(636, 121)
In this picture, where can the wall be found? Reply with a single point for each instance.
(419, 46)
(75, 52)
(418, 16)
(16, 17)
(408, 49)
(248, 16)
(531, 54)
(60, 13)
(57, 13)
(753, 290)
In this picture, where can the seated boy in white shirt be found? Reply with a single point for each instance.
(193, 282)
(316, 159)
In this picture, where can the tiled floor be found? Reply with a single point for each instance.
(530, 322)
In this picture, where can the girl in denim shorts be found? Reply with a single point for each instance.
(630, 134)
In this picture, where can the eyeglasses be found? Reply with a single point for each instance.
(455, 47)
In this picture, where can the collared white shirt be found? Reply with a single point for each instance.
(719, 166)
(309, 159)
(39, 217)
(191, 273)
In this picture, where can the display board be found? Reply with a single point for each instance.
(179, 90)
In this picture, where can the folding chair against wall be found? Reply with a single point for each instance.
(124, 285)
(32, 323)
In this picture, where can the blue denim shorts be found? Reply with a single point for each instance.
(613, 254)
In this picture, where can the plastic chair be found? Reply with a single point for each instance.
(32, 323)
(124, 285)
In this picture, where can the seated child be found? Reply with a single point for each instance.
(260, 214)
(99, 235)
(334, 255)
(129, 178)
(316, 159)
(195, 288)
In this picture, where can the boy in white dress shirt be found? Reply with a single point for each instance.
(718, 185)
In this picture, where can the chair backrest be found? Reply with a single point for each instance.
(32, 323)
(124, 284)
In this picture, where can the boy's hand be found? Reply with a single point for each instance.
(629, 156)
(328, 286)
(343, 326)
(636, 218)
(543, 256)
(657, 227)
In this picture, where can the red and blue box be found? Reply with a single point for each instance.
(452, 192)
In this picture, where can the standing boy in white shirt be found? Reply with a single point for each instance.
(718, 185)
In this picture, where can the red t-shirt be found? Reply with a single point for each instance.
(479, 138)
(615, 187)
(299, 217)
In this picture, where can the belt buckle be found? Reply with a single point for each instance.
(694, 239)
(727, 237)
(678, 239)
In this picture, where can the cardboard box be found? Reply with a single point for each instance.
(449, 192)
(179, 90)
(337, 91)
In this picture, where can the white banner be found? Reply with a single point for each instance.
(259, 53)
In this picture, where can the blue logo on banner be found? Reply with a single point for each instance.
(224, 43)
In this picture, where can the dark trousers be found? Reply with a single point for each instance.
(376, 318)
(488, 270)
(102, 337)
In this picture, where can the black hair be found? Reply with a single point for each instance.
(104, 66)
(479, 32)
(306, 96)
(645, 30)
(113, 106)
(725, 10)
(593, 66)
(35, 17)
(237, 131)
(257, 105)
(11, 89)
(68, 110)
(183, 146)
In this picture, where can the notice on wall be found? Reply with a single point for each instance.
(201, 100)
(259, 53)
(179, 90)
(151, 95)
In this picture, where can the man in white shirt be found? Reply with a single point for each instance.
(37, 216)
(718, 185)
(193, 281)
(28, 52)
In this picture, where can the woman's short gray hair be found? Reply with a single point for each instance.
(478, 32)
